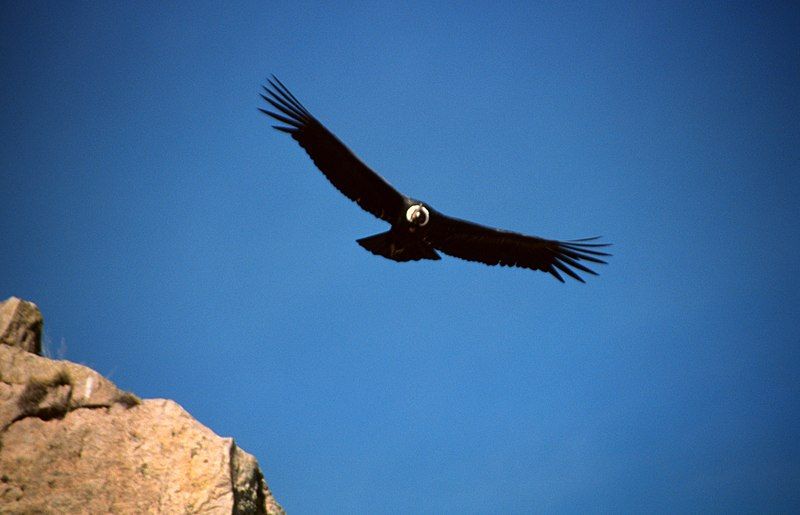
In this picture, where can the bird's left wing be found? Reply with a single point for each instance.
(344, 170)
(467, 240)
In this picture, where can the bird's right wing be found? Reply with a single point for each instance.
(473, 242)
(344, 170)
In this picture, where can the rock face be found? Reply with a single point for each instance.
(72, 442)
(21, 325)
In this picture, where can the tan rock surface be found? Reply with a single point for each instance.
(71, 442)
(21, 325)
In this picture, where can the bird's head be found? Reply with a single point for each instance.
(418, 215)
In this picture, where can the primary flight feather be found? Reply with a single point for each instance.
(418, 230)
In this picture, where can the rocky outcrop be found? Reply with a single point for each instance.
(21, 325)
(72, 442)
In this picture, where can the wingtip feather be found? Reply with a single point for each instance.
(555, 274)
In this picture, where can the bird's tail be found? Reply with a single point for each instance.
(397, 248)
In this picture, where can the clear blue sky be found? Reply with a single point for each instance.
(179, 245)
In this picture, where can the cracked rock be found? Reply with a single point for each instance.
(72, 442)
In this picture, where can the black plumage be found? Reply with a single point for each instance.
(418, 230)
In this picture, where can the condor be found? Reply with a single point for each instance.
(417, 230)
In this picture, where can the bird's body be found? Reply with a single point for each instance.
(417, 230)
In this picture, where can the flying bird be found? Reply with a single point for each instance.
(417, 230)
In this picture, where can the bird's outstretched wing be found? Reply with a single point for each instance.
(347, 173)
(467, 240)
